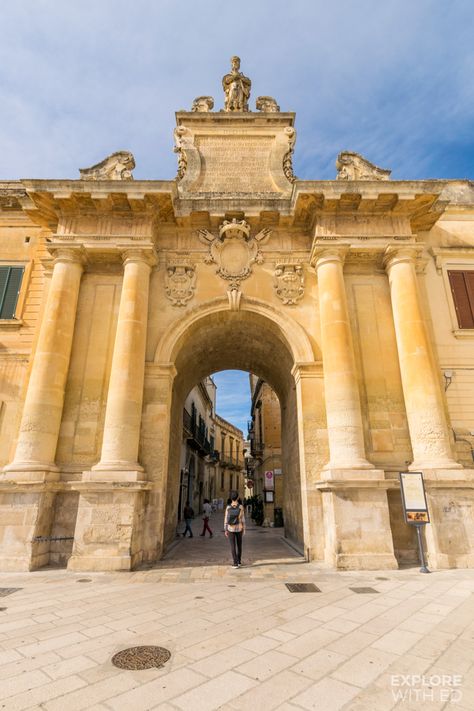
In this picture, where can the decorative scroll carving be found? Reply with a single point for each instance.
(353, 166)
(236, 88)
(288, 157)
(117, 166)
(289, 282)
(267, 104)
(183, 139)
(203, 103)
(180, 281)
(234, 250)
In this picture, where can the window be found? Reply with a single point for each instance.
(10, 282)
(222, 479)
(462, 287)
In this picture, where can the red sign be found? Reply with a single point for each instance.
(250, 484)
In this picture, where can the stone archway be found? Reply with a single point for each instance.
(255, 338)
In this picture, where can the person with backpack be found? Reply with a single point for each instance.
(234, 527)
(188, 515)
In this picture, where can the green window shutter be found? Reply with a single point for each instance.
(10, 283)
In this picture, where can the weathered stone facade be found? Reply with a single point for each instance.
(134, 290)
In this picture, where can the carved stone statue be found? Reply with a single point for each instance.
(267, 104)
(236, 88)
(117, 166)
(353, 166)
(203, 103)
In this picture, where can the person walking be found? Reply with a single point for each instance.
(234, 527)
(188, 515)
(206, 515)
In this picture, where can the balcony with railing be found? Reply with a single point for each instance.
(196, 434)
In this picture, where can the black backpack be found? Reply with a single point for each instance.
(233, 515)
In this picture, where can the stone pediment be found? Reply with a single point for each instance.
(239, 153)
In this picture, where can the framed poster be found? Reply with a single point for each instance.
(268, 497)
(415, 507)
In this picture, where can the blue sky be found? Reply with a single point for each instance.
(391, 79)
(233, 397)
(83, 78)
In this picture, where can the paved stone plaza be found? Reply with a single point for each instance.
(238, 638)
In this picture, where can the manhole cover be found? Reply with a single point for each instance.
(198, 597)
(136, 658)
(382, 578)
(84, 580)
(8, 591)
(364, 591)
(2, 609)
(302, 587)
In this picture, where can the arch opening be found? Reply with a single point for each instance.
(235, 340)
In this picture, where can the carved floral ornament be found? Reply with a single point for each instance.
(288, 157)
(234, 250)
(180, 281)
(289, 282)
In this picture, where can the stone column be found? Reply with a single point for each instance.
(125, 396)
(27, 486)
(344, 419)
(42, 411)
(109, 526)
(421, 387)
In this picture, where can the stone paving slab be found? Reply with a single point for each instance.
(238, 638)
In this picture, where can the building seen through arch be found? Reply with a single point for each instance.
(352, 298)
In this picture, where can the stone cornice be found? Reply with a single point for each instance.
(419, 203)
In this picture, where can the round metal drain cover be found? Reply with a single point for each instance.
(2, 609)
(136, 658)
(84, 580)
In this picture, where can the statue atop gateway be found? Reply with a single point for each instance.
(236, 88)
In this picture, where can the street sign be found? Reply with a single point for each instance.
(250, 484)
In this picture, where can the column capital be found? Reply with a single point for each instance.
(146, 255)
(68, 254)
(321, 254)
(395, 255)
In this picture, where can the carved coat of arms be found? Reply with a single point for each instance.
(289, 282)
(234, 250)
(180, 283)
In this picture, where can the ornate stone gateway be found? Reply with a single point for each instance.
(133, 290)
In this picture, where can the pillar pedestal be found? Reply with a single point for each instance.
(109, 526)
(356, 520)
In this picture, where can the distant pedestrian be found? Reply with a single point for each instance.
(234, 527)
(206, 515)
(188, 514)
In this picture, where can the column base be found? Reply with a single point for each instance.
(26, 514)
(356, 520)
(22, 472)
(131, 474)
(449, 464)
